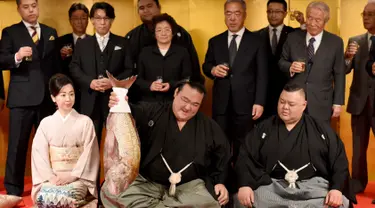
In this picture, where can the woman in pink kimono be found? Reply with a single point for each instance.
(65, 154)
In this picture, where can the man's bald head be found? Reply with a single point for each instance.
(292, 103)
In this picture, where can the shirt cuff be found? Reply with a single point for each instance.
(336, 105)
(17, 63)
(303, 26)
(292, 74)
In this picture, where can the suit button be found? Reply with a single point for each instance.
(231, 76)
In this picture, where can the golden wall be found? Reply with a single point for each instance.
(203, 19)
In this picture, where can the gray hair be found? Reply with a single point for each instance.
(322, 7)
(242, 2)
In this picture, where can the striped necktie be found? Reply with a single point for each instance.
(34, 36)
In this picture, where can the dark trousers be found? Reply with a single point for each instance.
(99, 116)
(361, 125)
(235, 126)
(21, 122)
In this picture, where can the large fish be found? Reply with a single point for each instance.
(122, 146)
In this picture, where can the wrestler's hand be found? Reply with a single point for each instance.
(257, 111)
(246, 196)
(113, 100)
(333, 199)
(222, 192)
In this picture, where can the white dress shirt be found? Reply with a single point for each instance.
(75, 37)
(102, 40)
(278, 32)
(318, 40)
(238, 38)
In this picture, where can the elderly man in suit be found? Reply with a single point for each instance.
(315, 59)
(29, 50)
(236, 61)
(274, 37)
(78, 18)
(361, 97)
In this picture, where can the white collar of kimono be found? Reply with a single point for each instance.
(66, 117)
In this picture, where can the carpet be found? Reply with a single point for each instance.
(364, 200)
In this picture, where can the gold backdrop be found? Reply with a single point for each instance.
(203, 19)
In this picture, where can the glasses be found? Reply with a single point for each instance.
(74, 19)
(277, 12)
(368, 14)
(166, 30)
(99, 19)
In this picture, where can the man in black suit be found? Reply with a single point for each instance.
(92, 57)
(360, 50)
(315, 59)
(236, 61)
(78, 18)
(274, 37)
(29, 50)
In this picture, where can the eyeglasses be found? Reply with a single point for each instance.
(277, 12)
(98, 19)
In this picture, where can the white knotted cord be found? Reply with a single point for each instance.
(291, 175)
(175, 178)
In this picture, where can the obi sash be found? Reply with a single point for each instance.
(64, 158)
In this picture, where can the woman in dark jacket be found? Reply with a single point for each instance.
(160, 66)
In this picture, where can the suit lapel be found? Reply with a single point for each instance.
(282, 39)
(363, 47)
(245, 42)
(46, 35)
(224, 47)
(24, 32)
(323, 47)
(93, 46)
(110, 48)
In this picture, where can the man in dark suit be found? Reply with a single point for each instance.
(236, 61)
(361, 97)
(92, 57)
(274, 37)
(315, 59)
(29, 50)
(78, 18)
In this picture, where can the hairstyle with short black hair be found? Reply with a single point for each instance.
(195, 85)
(283, 2)
(292, 87)
(18, 2)
(165, 17)
(57, 82)
(76, 7)
(243, 3)
(109, 10)
(156, 2)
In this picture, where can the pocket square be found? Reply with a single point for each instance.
(117, 48)
(52, 37)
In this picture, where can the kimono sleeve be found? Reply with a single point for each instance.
(250, 172)
(40, 163)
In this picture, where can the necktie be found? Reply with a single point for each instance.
(34, 36)
(310, 49)
(102, 43)
(78, 39)
(274, 41)
(232, 49)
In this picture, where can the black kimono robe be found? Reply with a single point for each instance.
(209, 152)
(260, 153)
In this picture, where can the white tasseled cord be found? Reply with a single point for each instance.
(175, 178)
(291, 175)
